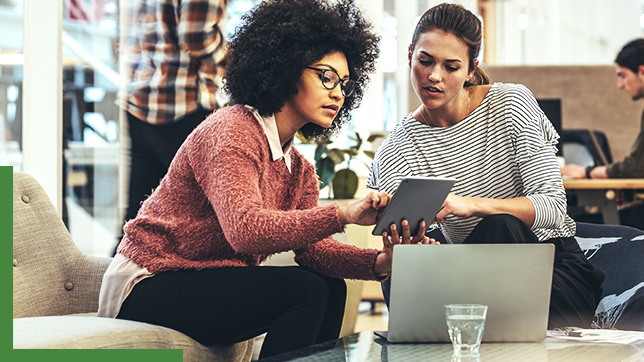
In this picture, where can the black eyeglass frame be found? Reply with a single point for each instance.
(344, 83)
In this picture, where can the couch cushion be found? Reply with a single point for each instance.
(82, 332)
(618, 251)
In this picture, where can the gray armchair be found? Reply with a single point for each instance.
(56, 287)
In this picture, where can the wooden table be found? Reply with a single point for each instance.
(604, 193)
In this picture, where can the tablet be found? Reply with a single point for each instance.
(416, 199)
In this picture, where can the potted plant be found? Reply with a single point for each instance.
(344, 182)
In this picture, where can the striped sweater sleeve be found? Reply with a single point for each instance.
(535, 147)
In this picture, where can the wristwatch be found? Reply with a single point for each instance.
(588, 169)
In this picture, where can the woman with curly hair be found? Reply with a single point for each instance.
(237, 192)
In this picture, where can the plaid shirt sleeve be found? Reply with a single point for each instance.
(198, 30)
(175, 58)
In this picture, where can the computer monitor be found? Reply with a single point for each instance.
(552, 108)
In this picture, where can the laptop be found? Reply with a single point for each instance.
(513, 280)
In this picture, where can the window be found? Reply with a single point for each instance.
(11, 61)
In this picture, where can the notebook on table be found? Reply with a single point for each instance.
(513, 280)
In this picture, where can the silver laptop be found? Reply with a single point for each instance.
(513, 280)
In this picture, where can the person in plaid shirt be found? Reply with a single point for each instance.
(174, 60)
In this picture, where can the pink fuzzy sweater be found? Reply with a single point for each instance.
(224, 202)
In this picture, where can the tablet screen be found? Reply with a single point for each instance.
(416, 199)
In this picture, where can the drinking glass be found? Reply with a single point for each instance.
(465, 323)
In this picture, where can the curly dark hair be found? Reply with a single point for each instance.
(277, 39)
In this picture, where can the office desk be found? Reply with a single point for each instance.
(366, 346)
(604, 193)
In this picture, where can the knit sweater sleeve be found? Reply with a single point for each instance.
(330, 257)
(236, 174)
(337, 260)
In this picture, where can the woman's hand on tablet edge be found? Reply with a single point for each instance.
(462, 206)
(366, 211)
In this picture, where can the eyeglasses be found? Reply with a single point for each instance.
(330, 79)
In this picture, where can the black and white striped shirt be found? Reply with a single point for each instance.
(504, 149)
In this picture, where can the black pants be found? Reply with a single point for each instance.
(152, 148)
(296, 307)
(576, 284)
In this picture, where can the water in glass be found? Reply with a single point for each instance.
(465, 331)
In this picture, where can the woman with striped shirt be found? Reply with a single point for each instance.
(498, 144)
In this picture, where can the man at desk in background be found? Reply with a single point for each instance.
(630, 78)
(174, 55)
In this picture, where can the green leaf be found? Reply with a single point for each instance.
(374, 137)
(358, 144)
(326, 171)
(345, 184)
(358, 141)
(319, 151)
(301, 138)
(336, 155)
(351, 152)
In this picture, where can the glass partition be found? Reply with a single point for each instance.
(91, 154)
(11, 66)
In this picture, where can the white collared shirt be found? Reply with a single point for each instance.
(270, 129)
